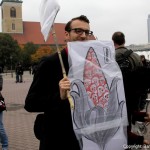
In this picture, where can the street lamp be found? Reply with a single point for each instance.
(5, 67)
(11, 66)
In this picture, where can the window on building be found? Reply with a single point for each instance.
(13, 12)
(13, 26)
(2, 13)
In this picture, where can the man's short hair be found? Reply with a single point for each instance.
(142, 56)
(81, 18)
(118, 38)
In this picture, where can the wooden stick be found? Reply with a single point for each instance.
(62, 67)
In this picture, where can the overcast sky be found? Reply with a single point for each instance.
(106, 16)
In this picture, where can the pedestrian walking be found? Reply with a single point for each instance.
(19, 73)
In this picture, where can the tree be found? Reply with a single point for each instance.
(9, 50)
(41, 52)
(28, 49)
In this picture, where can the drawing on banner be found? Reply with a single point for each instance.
(96, 102)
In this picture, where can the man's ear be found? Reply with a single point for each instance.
(66, 36)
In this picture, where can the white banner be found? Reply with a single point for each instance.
(48, 12)
(99, 116)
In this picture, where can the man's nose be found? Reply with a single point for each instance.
(83, 34)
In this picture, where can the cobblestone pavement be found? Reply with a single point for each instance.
(18, 122)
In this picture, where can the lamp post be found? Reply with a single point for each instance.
(5, 67)
(11, 66)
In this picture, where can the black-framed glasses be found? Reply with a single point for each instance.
(80, 31)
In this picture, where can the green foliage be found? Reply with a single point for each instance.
(42, 51)
(28, 50)
(9, 50)
(11, 53)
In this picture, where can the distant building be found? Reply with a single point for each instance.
(142, 49)
(24, 31)
(32, 33)
(148, 27)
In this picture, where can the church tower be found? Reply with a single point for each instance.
(12, 16)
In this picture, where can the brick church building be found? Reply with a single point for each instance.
(24, 31)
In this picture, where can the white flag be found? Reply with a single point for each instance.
(48, 12)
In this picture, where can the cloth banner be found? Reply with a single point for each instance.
(100, 115)
(48, 12)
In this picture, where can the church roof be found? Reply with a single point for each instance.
(15, 1)
(32, 33)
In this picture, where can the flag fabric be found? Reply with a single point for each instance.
(48, 12)
(99, 116)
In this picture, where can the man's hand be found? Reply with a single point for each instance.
(147, 118)
(146, 142)
(64, 86)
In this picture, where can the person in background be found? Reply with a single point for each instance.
(145, 61)
(19, 73)
(48, 93)
(2, 68)
(30, 69)
(132, 88)
(34, 68)
(3, 135)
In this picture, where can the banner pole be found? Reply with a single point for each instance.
(62, 66)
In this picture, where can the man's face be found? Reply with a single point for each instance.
(75, 34)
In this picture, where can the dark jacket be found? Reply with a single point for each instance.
(19, 70)
(43, 96)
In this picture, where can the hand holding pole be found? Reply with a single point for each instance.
(63, 68)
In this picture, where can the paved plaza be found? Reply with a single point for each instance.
(18, 122)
